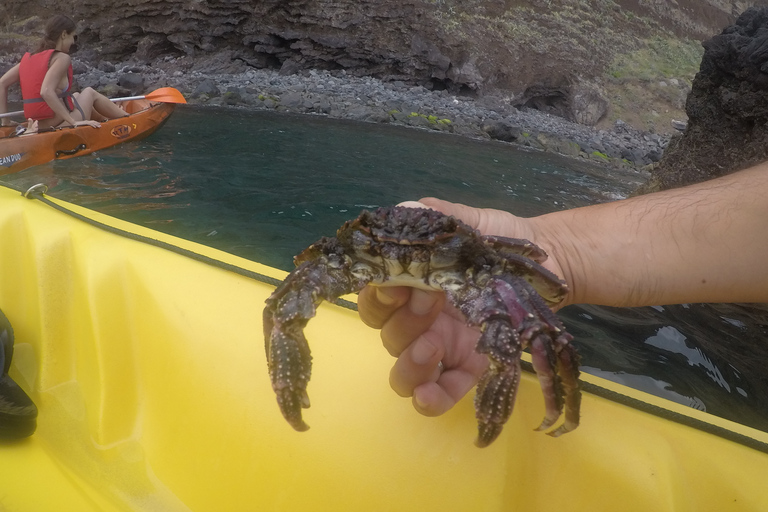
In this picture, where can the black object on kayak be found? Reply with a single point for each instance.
(18, 414)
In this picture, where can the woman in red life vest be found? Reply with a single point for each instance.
(46, 81)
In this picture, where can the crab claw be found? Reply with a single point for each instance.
(288, 355)
(290, 365)
(321, 277)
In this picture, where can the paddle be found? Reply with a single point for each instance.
(162, 95)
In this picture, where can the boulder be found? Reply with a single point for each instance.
(501, 130)
(572, 99)
(727, 108)
(134, 82)
(587, 104)
(292, 100)
(207, 88)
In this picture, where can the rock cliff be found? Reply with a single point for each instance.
(727, 108)
(546, 54)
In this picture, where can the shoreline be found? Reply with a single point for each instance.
(339, 95)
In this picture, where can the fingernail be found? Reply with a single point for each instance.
(419, 404)
(421, 302)
(384, 297)
(423, 352)
(412, 204)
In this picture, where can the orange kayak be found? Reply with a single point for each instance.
(20, 152)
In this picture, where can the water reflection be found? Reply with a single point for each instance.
(708, 356)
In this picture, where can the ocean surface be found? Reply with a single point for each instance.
(264, 186)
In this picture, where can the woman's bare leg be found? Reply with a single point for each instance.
(90, 100)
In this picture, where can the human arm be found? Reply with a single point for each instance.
(704, 243)
(9, 78)
(49, 90)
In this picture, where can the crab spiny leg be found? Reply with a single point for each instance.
(549, 288)
(543, 359)
(494, 401)
(497, 389)
(518, 246)
(290, 366)
(497, 309)
(568, 369)
(288, 310)
(288, 354)
(555, 361)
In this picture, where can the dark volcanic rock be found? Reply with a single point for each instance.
(131, 81)
(474, 47)
(207, 88)
(503, 131)
(577, 101)
(727, 108)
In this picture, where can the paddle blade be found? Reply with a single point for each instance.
(166, 95)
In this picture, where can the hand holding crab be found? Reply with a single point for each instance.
(421, 330)
(497, 283)
(635, 252)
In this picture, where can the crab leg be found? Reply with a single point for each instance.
(496, 391)
(494, 402)
(568, 369)
(498, 312)
(288, 310)
(290, 366)
(543, 361)
(506, 246)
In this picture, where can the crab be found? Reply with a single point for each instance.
(497, 283)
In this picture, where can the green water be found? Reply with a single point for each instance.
(264, 186)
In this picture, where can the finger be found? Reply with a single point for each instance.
(436, 398)
(418, 364)
(375, 304)
(408, 323)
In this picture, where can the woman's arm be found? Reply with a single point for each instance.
(49, 89)
(9, 78)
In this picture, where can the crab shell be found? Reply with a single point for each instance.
(497, 283)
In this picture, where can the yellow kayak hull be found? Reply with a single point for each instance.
(149, 372)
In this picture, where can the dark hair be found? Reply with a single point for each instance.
(53, 30)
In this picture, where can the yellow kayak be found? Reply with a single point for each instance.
(147, 365)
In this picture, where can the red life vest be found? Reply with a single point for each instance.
(32, 70)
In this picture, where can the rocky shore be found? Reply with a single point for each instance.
(367, 99)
